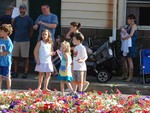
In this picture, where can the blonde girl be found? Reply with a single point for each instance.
(65, 72)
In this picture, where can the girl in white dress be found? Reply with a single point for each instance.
(42, 54)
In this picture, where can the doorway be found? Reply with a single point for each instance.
(35, 11)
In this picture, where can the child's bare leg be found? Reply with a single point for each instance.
(72, 84)
(85, 85)
(62, 86)
(41, 75)
(69, 86)
(8, 82)
(75, 87)
(82, 81)
(46, 81)
(0, 82)
(55, 70)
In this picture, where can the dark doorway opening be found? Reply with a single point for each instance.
(35, 11)
(144, 17)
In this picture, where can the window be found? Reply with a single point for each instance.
(141, 10)
(144, 17)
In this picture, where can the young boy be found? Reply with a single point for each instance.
(6, 48)
(79, 65)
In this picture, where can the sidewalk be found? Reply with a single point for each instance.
(112, 85)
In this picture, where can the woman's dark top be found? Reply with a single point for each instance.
(133, 50)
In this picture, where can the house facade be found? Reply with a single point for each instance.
(96, 16)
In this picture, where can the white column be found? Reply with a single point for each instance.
(114, 19)
(121, 13)
(18, 2)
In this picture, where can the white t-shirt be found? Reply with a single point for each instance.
(79, 53)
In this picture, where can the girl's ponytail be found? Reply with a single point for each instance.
(76, 24)
(79, 26)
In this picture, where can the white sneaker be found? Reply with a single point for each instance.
(67, 90)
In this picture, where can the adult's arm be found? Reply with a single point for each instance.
(48, 25)
(133, 29)
(31, 28)
(68, 35)
(53, 24)
(13, 22)
(0, 20)
(31, 32)
(35, 27)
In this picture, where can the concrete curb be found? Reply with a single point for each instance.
(25, 84)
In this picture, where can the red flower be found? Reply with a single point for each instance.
(98, 103)
(99, 92)
(66, 106)
(48, 106)
(79, 109)
(38, 100)
(144, 111)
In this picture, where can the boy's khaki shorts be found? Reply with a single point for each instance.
(77, 77)
(21, 48)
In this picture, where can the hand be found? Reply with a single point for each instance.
(40, 22)
(1, 54)
(38, 62)
(68, 37)
(58, 51)
(53, 53)
(35, 27)
(65, 69)
(72, 48)
(80, 61)
(123, 38)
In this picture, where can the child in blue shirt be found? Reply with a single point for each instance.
(6, 48)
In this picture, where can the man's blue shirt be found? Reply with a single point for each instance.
(22, 26)
(49, 19)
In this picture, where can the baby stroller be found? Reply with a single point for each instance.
(145, 63)
(102, 60)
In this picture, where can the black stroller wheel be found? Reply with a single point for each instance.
(103, 76)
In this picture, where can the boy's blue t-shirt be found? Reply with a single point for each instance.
(22, 26)
(50, 19)
(6, 46)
